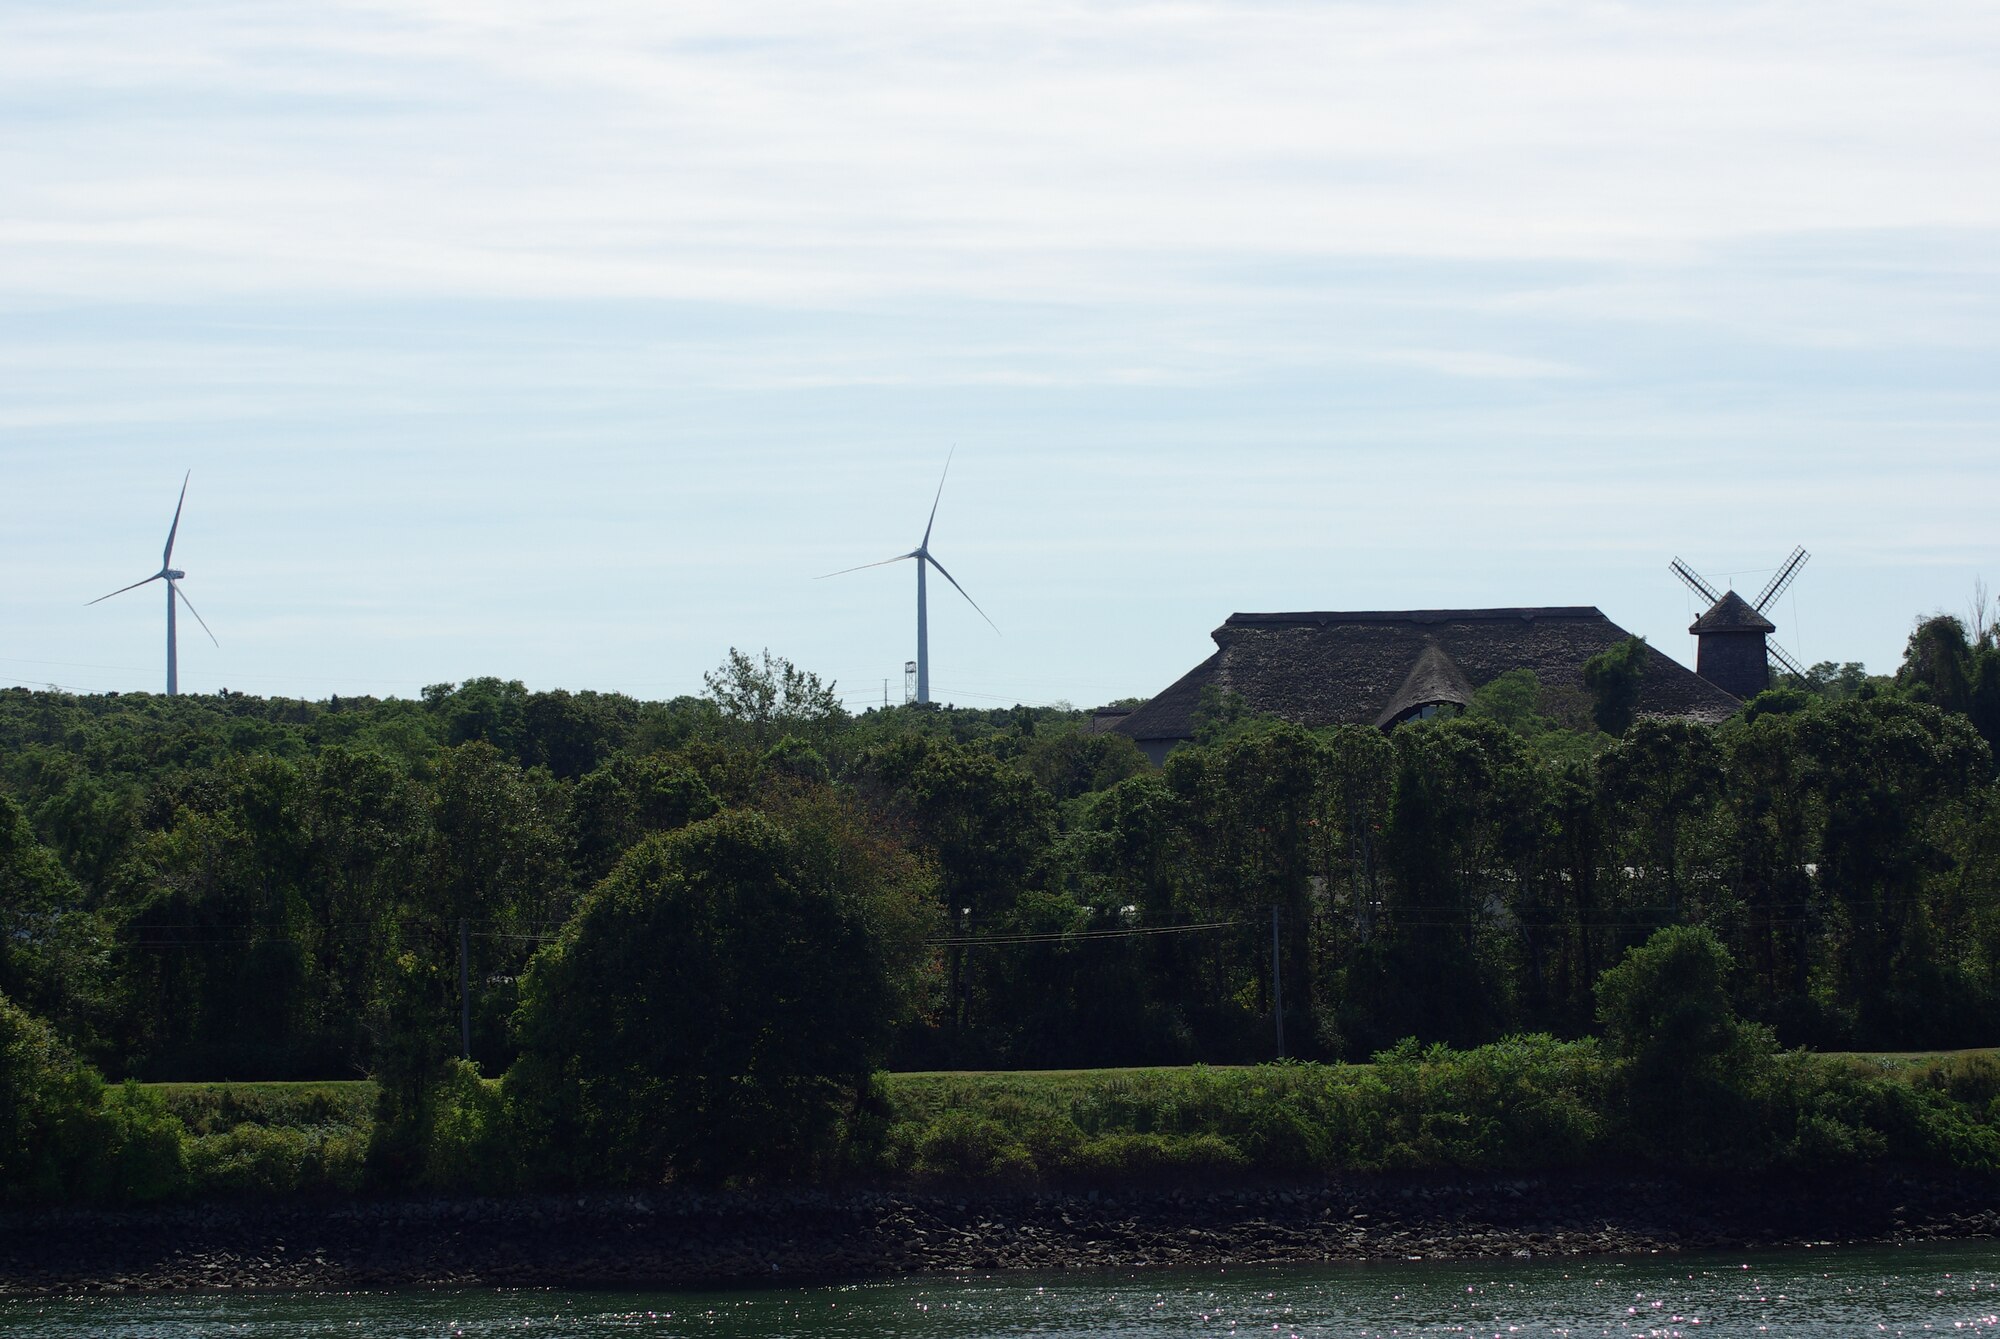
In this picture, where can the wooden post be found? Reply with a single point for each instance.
(1277, 985)
(464, 988)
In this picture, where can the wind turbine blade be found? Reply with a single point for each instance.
(865, 566)
(961, 590)
(167, 554)
(122, 589)
(934, 506)
(191, 609)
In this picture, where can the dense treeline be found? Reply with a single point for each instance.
(235, 887)
(688, 933)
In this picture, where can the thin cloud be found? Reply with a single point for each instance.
(812, 153)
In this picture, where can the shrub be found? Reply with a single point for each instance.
(247, 1161)
(1145, 1157)
(961, 1146)
(1696, 1079)
(212, 1108)
(1525, 1102)
(1973, 1080)
(268, 1161)
(63, 1138)
(50, 1111)
(469, 1142)
(1282, 1138)
(148, 1161)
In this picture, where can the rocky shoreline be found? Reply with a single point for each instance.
(690, 1239)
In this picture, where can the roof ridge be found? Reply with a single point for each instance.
(1326, 616)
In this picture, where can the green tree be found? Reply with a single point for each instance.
(493, 859)
(771, 696)
(483, 710)
(1517, 700)
(1693, 1070)
(718, 1003)
(1890, 774)
(1662, 782)
(1836, 682)
(1466, 797)
(61, 1140)
(1937, 664)
(628, 799)
(1069, 763)
(1612, 676)
(53, 950)
(211, 951)
(1772, 832)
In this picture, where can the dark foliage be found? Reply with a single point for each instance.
(719, 1002)
(230, 887)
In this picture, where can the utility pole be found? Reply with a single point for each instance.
(1277, 986)
(465, 992)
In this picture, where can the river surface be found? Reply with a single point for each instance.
(1950, 1289)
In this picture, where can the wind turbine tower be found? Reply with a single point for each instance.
(169, 574)
(922, 554)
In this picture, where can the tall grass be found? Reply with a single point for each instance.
(1524, 1104)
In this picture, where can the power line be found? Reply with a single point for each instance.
(1072, 936)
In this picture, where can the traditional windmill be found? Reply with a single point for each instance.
(1733, 646)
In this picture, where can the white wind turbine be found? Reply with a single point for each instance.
(168, 574)
(922, 554)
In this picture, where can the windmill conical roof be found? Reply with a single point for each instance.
(1732, 613)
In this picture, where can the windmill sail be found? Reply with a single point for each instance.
(1786, 575)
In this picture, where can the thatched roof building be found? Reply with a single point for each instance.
(1380, 668)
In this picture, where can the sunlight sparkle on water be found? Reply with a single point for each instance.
(1911, 1290)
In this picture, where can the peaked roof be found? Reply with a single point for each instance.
(1364, 668)
(1732, 613)
(1434, 678)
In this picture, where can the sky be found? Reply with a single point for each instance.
(573, 343)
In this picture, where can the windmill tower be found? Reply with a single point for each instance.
(1733, 646)
(921, 666)
(172, 576)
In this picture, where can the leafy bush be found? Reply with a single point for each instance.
(470, 1143)
(1697, 1081)
(211, 1108)
(62, 1138)
(1147, 1157)
(268, 1161)
(1973, 1080)
(249, 1160)
(49, 1111)
(1525, 1102)
(962, 1146)
(147, 1159)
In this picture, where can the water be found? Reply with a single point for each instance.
(1951, 1289)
